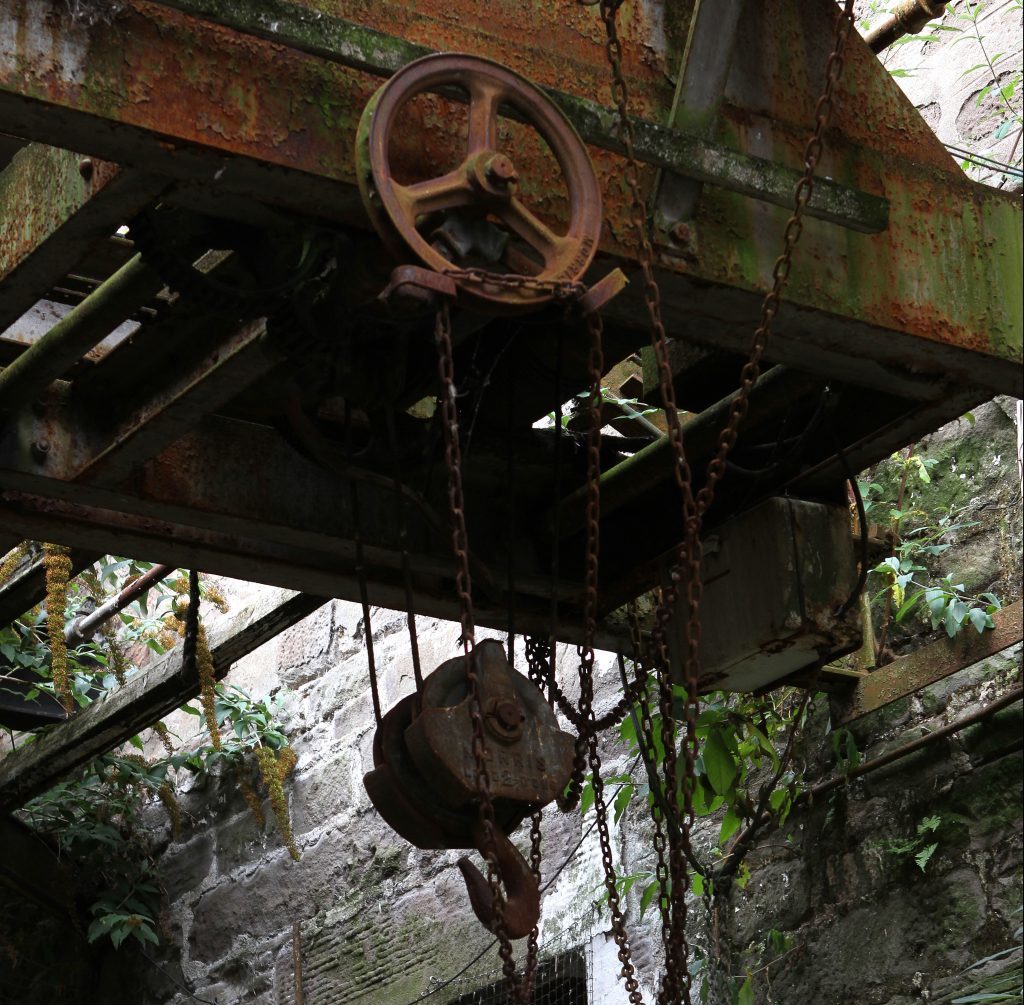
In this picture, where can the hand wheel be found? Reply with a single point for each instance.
(484, 185)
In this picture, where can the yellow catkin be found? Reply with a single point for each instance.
(272, 774)
(117, 660)
(161, 730)
(204, 661)
(252, 800)
(57, 563)
(207, 694)
(12, 560)
(167, 797)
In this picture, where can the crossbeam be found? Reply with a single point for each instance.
(54, 204)
(155, 692)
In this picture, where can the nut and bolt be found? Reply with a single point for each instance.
(40, 450)
(85, 168)
(501, 170)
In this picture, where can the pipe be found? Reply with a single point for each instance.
(909, 17)
(82, 629)
(731, 860)
(81, 329)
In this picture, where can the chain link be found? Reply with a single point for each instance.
(558, 289)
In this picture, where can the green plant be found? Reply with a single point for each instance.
(96, 817)
(917, 538)
(918, 846)
(96, 821)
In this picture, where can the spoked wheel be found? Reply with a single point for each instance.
(482, 193)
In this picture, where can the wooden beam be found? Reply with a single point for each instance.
(933, 663)
(157, 691)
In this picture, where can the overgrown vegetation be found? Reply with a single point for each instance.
(101, 819)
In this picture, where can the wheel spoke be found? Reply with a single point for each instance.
(447, 192)
(531, 229)
(483, 117)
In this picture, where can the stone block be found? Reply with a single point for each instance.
(185, 866)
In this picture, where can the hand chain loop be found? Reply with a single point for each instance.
(677, 982)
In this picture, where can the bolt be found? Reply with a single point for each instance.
(508, 714)
(681, 233)
(501, 170)
(85, 168)
(40, 449)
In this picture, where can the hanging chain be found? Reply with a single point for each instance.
(463, 586)
(677, 982)
(595, 366)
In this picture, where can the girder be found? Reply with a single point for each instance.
(200, 440)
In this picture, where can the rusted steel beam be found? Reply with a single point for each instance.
(54, 204)
(243, 116)
(173, 407)
(231, 482)
(689, 154)
(698, 98)
(157, 691)
(933, 663)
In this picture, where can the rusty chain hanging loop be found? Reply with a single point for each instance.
(677, 983)
(463, 586)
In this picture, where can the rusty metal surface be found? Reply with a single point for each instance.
(486, 181)
(933, 663)
(529, 757)
(54, 204)
(891, 281)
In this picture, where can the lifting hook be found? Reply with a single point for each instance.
(522, 895)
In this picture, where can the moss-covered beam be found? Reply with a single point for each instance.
(54, 204)
(362, 48)
(154, 693)
(933, 663)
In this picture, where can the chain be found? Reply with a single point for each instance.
(460, 547)
(532, 943)
(595, 366)
(690, 555)
(559, 289)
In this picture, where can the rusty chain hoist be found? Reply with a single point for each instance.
(671, 838)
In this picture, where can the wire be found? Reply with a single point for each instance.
(174, 980)
(979, 160)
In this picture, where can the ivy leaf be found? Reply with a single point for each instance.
(980, 619)
(650, 891)
(586, 798)
(730, 825)
(622, 800)
(719, 762)
(746, 995)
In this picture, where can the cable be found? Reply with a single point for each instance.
(174, 980)
(979, 160)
